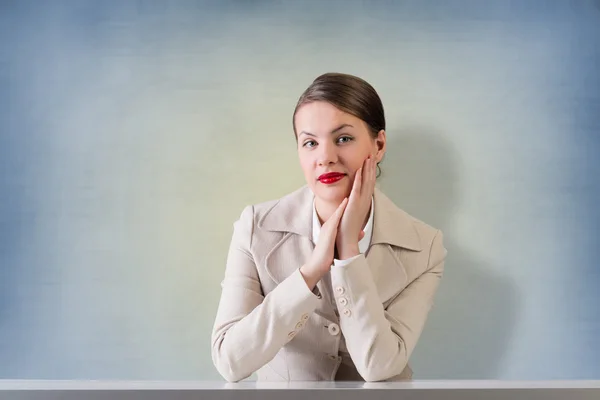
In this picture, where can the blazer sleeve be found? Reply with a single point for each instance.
(380, 341)
(251, 328)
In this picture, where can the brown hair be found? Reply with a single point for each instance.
(350, 94)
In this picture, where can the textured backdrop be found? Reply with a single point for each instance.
(132, 134)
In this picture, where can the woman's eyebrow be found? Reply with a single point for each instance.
(332, 132)
(341, 127)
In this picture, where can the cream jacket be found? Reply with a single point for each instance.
(269, 322)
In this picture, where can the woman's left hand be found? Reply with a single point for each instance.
(355, 214)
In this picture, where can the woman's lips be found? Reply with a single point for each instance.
(331, 177)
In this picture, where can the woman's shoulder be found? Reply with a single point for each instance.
(279, 213)
(419, 224)
(296, 198)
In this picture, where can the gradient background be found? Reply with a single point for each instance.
(132, 134)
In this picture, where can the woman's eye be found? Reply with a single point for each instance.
(344, 139)
(310, 143)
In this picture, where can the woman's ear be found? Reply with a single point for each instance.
(380, 142)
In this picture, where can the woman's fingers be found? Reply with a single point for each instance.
(331, 225)
(337, 215)
(323, 254)
(372, 176)
(357, 185)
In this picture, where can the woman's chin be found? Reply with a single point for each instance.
(332, 194)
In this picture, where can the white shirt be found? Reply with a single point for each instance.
(363, 244)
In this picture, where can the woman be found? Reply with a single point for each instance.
(332, 281)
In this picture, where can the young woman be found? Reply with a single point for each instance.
(332, 281)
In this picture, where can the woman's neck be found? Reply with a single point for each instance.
(326, 209)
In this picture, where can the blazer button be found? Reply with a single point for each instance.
(347, 312)
(339, 290)
(291, 335)
(343, 301)
(299, 325)
(305, 317)
(334, 329)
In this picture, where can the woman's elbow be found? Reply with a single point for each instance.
(225, 365)
(376, 376)
(383, 368)
(228, 370)
(230, 375)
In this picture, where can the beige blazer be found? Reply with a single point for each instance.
(269, 322)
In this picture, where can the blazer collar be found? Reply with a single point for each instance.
(292, 213)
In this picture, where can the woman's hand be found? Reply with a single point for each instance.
(359, 204)
(322, 256)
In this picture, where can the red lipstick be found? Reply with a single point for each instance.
(330, 177)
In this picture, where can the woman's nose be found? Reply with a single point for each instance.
(327, 154)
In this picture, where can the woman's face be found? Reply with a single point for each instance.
(333, 142)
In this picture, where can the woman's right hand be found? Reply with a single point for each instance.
(322, 256)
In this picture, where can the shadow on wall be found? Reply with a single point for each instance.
(469, 329)
(13, 244)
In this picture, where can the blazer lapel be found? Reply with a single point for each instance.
(387, 271)
(291, 213)
(292, 217)
(392, 225)
(393, 229)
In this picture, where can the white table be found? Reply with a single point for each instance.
(184, 390)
